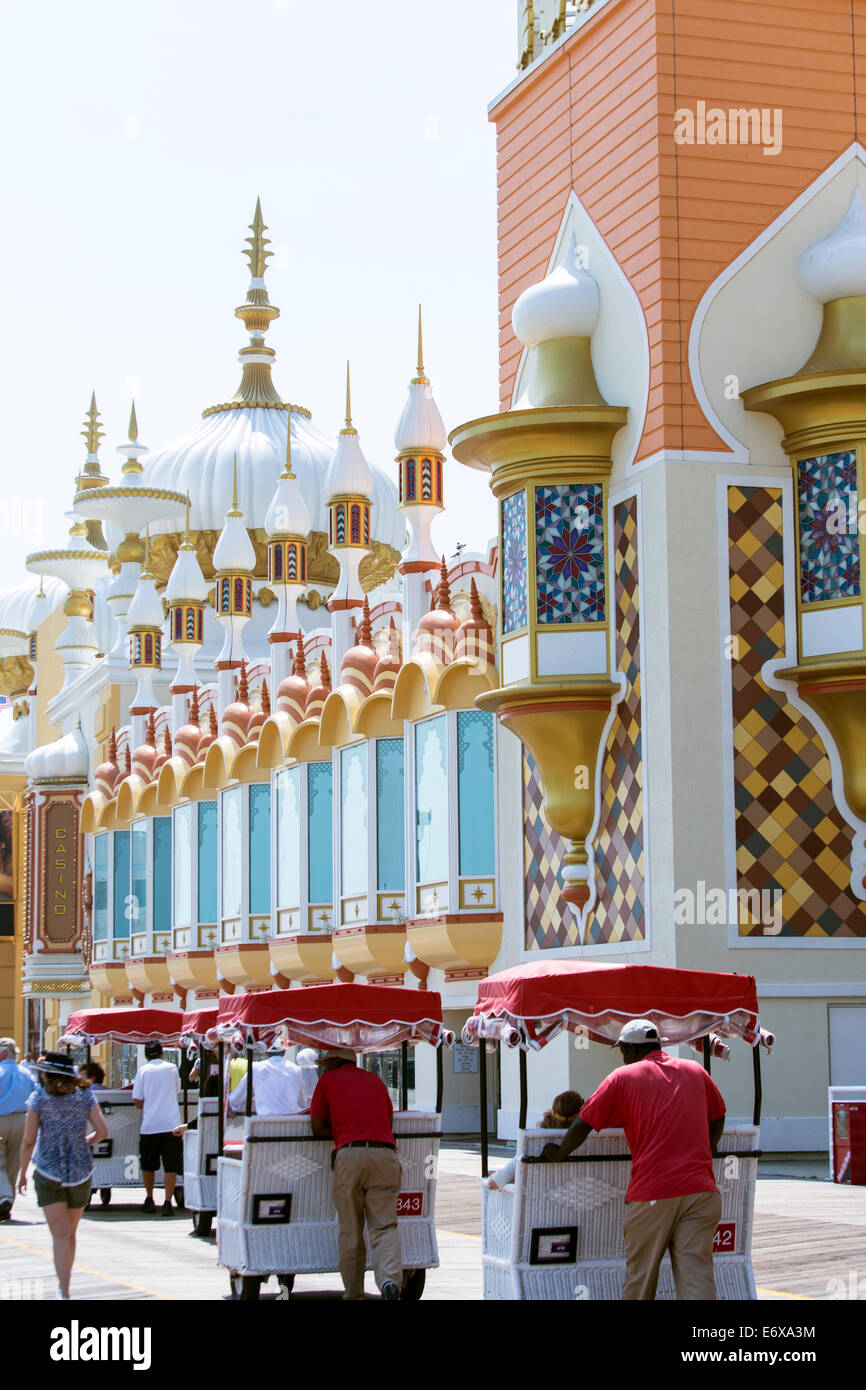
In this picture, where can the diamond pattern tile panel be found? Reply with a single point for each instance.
(790, 835)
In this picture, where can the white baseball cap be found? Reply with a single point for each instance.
(638, 1030)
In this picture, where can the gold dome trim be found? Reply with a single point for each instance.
(257, 405)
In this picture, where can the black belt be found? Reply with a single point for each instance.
(367, 1144)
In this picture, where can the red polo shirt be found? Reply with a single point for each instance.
(665, 1106)
(356, 1103)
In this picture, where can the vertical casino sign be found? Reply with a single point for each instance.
(57, 899)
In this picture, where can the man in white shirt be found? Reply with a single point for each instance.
(278, 1087)
(155, 1093)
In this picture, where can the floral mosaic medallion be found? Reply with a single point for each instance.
(515, 602)
(829, 548)
(569, 539)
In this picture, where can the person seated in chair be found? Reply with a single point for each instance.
(561, 1115)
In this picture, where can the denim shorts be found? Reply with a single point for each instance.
(49, 1192)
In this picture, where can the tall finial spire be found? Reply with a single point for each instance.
(187, 539)
(288, 471)
(349, 428)
(421, 378)
(257, 255)
(234, 509)
(364, 635)
(92, 431)
(132, 449)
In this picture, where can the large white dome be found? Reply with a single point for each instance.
(202, 464)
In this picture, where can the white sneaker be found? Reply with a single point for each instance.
(63, 1297)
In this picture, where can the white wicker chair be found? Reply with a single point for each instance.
(282, 1160)
(585, 1202)
(200, 1156)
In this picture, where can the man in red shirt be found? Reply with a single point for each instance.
(353, 1107)
(673, 1115)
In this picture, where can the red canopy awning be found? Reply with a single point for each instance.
(123, 1025)
(368, 1018)
(529, 1004)
(198, 1022)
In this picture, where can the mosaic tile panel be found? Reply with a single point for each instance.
(789, 833)
(619, 858)
(515, 599)
(829, 552)
(569, 541)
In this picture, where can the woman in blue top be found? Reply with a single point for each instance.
(62, 1122)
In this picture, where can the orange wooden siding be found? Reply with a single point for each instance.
(598, 116)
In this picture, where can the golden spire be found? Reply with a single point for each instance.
(349, 428)
(288, 471)
(92, 431)
(420, 379)
(145, 569)
(234, 509)
(257, 255)
(132, 464)
(186, 543)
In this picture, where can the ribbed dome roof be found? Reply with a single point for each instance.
(202, 462)
(65, 758)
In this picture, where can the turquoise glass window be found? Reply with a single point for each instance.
(431, 800)
(122, 904)
(353, 821)
(182, 860)
(161, 873)
(231, 839)
(288, 783)
(390, 841)
(138, 887)
(207, 861)
(260, 847)
(477, 822)
(100, 888)
(320, 831)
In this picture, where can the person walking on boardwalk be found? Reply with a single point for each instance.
(16, 1084)
(155, 1092)
(353, 1107)
(63, 1120)
(673, 1115)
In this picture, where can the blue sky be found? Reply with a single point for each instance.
(138, 134)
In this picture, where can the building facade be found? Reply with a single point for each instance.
(262, 734)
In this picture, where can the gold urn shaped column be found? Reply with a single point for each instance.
(822, 410)
(549, 459)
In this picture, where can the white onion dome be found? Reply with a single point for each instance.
(64, 760)
(186, 583)
(234, 552)
(27, 605)
(145, 609)
(349, 474)
(421, 427)
(564, 304)
(288, 514)
(835, 268)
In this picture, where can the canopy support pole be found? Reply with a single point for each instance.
(87, 1055)
(184, 1081)
(248, 1109)
(706, 1043)
(756, 1072)
(440, 1078)
(521, 1123)
(404, 1076)
(221, 1108)
(482, 1096)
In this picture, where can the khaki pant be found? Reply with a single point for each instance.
(366, 1184)
(683, 1225)
(11, 1134)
